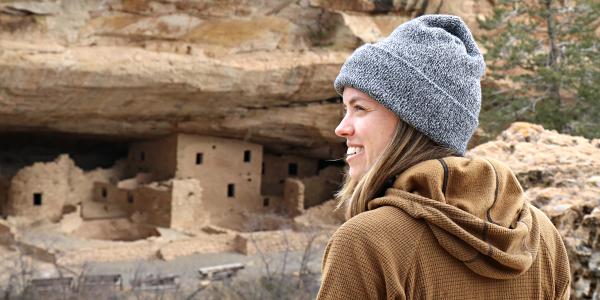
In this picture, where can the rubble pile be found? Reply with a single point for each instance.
(561, 176)
(325, 215)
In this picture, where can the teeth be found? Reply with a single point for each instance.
(354, 150)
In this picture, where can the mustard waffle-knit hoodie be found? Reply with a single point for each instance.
(453, 228)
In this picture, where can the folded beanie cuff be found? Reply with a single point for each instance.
(400, 87)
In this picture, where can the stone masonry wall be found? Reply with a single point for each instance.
(40, 191)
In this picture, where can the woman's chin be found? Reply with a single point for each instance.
(355, 173)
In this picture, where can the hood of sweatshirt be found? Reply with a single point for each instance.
(475, 209)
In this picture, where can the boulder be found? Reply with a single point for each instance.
(561, 176)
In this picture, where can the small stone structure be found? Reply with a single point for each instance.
(176, 204)
(109, 201)
(158, 157)
(229, 170)
(47, 190)
(302, 193)
(114, 229)
(293, 195)
(213, 243)
(322, 187)
(113, 201)
(277, 241)
(276, 168)
(40, 191)
(317, 185)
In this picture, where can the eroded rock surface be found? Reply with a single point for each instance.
(560, 175)
(257, 70)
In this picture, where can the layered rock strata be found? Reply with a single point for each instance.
(260, 71)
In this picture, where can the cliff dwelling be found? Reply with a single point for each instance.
(191, 132)
(179, 182)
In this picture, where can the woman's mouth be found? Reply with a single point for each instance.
(352, 151)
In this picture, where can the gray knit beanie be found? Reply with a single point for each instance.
(427, 72)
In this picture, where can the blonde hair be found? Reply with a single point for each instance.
(407, 148)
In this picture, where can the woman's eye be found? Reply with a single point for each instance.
(353, 108)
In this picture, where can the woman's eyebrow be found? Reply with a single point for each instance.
(354, 100)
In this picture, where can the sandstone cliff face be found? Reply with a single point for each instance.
(258, 70)
(560, 175)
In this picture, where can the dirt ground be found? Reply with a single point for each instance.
(276, 263)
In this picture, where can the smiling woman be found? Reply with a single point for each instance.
(423, 221)
(368, 127)
(380, 146)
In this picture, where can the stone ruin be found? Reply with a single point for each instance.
(170, 197)
(183, 182)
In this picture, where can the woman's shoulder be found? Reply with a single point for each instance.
(370, 256)
(381, 227)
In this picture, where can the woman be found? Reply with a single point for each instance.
(425, 222)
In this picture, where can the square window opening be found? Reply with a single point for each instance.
(199, 158)
(231, 190)
(37, 199)
(247, 156)
(293, 169)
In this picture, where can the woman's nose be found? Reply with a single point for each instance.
(345, 128)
